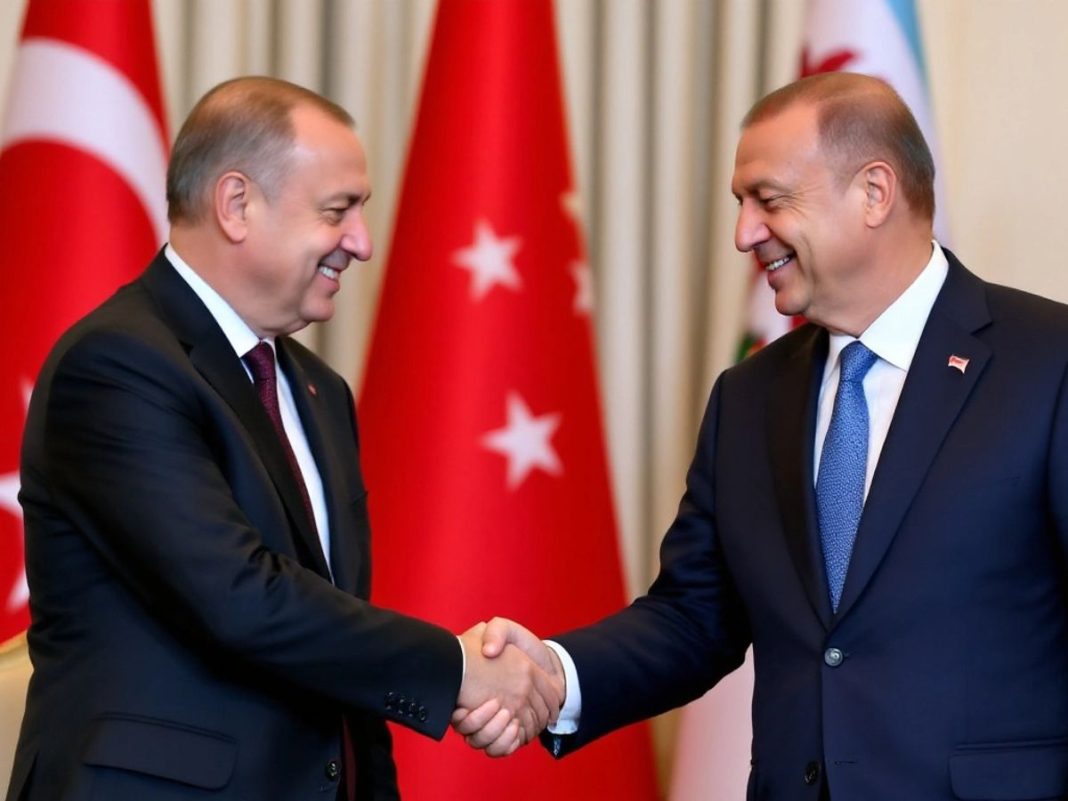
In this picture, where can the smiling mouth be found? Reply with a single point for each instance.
(772, 266)
(329, 272)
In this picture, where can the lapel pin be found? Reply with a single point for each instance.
(958, 362)
(315, 393)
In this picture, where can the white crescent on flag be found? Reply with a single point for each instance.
(58, 97)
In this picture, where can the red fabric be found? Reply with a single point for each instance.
(460, 533)
(72, 230)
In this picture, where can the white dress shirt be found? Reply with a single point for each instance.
(893, 337)
(243, 339)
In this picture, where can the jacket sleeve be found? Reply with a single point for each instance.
(674, 643)
(119, 438)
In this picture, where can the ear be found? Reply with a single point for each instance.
(879, 183)
(230, 204)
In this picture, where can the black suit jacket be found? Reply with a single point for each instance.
(948, 676)
(187, 640)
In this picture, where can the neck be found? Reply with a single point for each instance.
(891, 271)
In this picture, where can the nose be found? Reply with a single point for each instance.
(750, 230)
(357, 238)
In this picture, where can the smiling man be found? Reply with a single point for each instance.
(878, 503)
(197, 540)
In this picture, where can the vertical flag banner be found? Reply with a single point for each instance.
(83, 155)
(483, 447)
(874, 37)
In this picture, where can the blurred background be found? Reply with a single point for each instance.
(654, 92)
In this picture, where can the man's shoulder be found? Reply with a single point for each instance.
(800, 343)
(1009, 304)
(127, 314)
(1009, 307)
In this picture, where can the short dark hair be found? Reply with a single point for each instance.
(861, 119)
(243, 124)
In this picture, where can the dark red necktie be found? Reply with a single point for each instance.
(260, 361)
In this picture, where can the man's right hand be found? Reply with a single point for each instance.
(530, 687)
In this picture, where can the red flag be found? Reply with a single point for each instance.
(482, 438)
(82, 205)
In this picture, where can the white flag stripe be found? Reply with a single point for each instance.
(59, 95)
(874, 33)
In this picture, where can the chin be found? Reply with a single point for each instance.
(787, 308)
(320, 314)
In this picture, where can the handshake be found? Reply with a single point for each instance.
(513, 687)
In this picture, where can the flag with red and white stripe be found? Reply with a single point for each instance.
(83, 155)
(482, 441)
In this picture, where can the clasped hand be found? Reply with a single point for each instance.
(512, 689)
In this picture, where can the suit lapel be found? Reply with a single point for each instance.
(791, 429)
(931, 399)
(212, 355)
(343, 553)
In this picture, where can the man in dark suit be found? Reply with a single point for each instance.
(197, 540)
(878, 503)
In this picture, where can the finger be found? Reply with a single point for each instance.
(541, 712)
(529, 723)
(468, 722)
(507, 743)
(547, 692)
(492, 731)
(496, 636)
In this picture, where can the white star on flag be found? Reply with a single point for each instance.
(9, 501)
(489, 260)
(580, 271)
(525, 441)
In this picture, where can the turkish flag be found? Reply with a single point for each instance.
(83, 155)
(483, 447)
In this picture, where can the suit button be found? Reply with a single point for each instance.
(332, 770)
(833, 657)
(412, 708)
(812, 772)
(422, 714)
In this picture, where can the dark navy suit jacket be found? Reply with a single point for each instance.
(952, 679)
(187, 640)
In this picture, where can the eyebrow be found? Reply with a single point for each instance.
(350, 198)
(756, 186)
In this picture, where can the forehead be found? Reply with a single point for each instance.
(327, 152)
(777, 149)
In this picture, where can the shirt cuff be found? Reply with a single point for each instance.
(568, 720)
(463, 653)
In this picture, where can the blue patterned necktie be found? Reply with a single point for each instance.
(843, 467)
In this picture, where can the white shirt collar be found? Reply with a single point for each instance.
(241, 338)
(895, 334)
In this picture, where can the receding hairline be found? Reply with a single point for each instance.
(859, 118)
(253, 87)
(246, 124)
(815, 91)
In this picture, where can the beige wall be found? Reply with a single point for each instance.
(999, 76)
